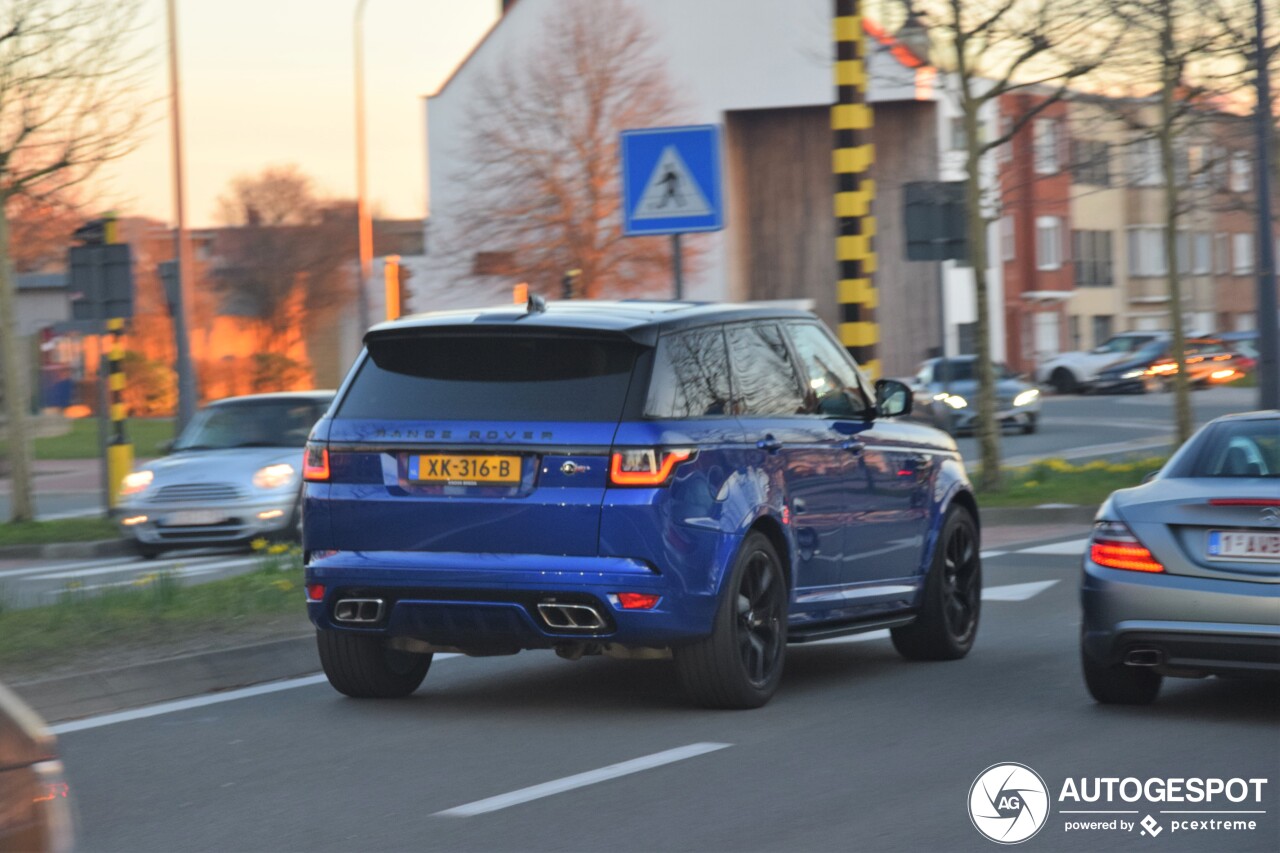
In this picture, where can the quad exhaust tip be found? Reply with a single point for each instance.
(570, 617)
(357, 611)
(1144, 657)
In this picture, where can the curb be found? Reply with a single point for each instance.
(108, 690)
(1019, 516)
(67, 550)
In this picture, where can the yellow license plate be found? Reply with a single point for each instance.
(464, 469)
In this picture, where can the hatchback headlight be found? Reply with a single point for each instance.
(955, 401)
(1133, 374)
(135, 482)
(273, 476)
(1026, 398)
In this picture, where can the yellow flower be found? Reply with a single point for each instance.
(278, 548)
(283, 585)
(258, 544)
(1030, 484)
(145, 580)
(74, 584)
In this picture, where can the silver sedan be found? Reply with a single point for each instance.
(1182, 575)
(232, 476)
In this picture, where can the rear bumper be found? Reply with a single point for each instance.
(490, 601)
(1198, 626)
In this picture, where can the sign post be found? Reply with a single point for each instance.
(671, 184)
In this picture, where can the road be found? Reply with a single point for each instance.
(860, 750)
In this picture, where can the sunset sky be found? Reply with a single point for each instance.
(271, 82)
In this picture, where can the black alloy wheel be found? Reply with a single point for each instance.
(951, 603)
(761, 606)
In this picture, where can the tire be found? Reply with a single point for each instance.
(361, 667)
(1064, 381)
(740, 665)
(947, 623)
(1031, 425)
(145, 551)
(1119, 685)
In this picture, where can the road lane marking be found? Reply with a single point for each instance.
(197, 702)
(146, 567)
(1016, 591)
(987, 555)
(581, 780)
(1072, 548)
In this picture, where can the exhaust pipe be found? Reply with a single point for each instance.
(1144, 657)
(570, 617)
(357, 611)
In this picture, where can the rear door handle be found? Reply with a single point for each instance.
(853, 446)
(769, 444)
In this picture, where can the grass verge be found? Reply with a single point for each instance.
(156, 610)
(1059, 481)
(62, 530)
(81, 442)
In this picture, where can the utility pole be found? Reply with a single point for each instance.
(363, 223)
(187, 390)
(1268, 334)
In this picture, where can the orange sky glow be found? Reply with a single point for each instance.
(268, 82)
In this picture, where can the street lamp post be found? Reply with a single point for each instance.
(1268, 342)
(364, 224)
(182, 248)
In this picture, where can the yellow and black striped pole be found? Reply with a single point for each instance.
(855, 192)
(119, 450)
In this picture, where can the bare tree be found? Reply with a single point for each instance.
(68, 104)
(541, 176)
(284, 262)
(995, 48)
(40, 228)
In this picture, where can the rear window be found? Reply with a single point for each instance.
(491, 377)
(250, 423)
(1239, 449)
(690, 376)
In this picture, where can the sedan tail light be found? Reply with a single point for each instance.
(1113, 545)
(645, 467)
(315, 463)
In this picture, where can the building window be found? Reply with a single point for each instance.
(1221, 253)
(1146, 252)
(1046, 146)
(1242, 254)
(1048, 243)
(1008, 243)
(1202, 255)
(1091, 255)
(1198, 165)
(1091, 162)
(958, 142)
(1144, 163)
(1102, 324)
(1241, 172)
(1183, 249)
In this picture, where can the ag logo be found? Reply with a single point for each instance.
(1008, 803)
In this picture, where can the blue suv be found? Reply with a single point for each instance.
(636, 479)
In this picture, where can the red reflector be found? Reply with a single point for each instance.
(1116, 555)
(315, 592)
(637, 600)
(1244, 502)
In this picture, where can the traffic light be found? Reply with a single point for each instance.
(569, 283)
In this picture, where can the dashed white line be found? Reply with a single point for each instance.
(987, 555)
(1016, 591)
(1073, 547)
(581, 780)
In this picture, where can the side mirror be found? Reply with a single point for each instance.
(893, 399)
(166, 447)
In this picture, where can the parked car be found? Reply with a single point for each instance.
(1245, 346)
(1070, 372)
(35, 807)
(231, 476)
(946, 395)
(707, 482)
(1152, 368)
(1182, 576)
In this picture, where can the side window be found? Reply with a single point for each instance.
(828, 371)
(764, 377)
(690, 376)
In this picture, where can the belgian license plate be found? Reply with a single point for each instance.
(464, 469)
(194, 518)
(1244, 545)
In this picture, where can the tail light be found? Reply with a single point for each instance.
(1113, 545)
(315, 463)
(645, 467)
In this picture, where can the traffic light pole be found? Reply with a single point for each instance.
(119, 450)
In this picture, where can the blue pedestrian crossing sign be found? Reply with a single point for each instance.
(671, 180)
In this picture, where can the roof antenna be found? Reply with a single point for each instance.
(536, 304)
